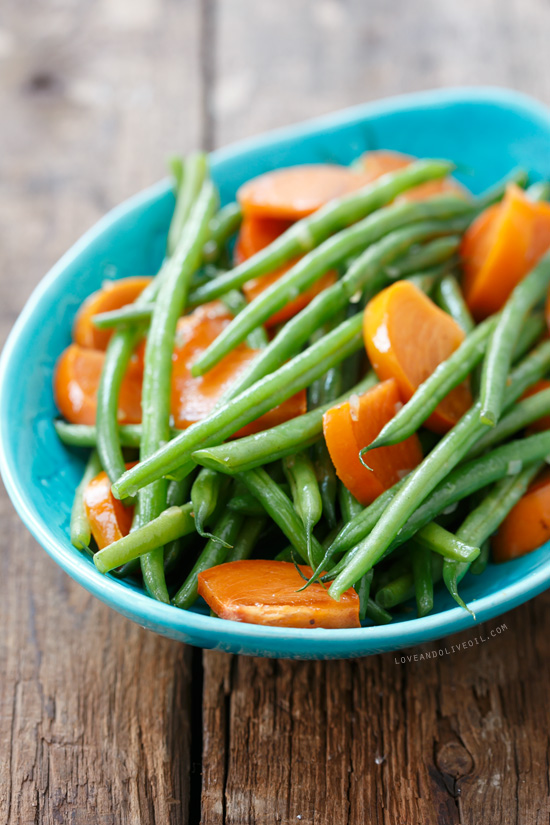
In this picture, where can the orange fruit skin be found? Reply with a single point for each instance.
(261, 591)
(109, 519)
(112, 295)
(406, 337)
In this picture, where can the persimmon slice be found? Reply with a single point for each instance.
(406, 337)
(109, 519)
(527, 525)
(112, 295)
(350, 426)
(265, 592)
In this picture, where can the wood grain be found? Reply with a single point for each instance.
(94, 711)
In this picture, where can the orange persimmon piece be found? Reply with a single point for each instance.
(543, 423)
(406, 337)
(76, 380)
(109, 519)
(112, 295)
(297, 191)
(257, 233)
(265, 592)
(194, 398)
(382, 161)
(350, 426)
(501, 247)
(527, 525)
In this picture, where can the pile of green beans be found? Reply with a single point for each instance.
(202, 500)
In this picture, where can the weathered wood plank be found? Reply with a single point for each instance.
(94, 711)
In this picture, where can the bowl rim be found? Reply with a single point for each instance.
(138, 605)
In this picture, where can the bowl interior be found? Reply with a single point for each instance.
(486, 133)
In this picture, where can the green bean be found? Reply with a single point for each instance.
(247, 538)
(423, 579)
(377, 614)
(461, 482)
(224, 224)
(447, 375)
(424, 257)
(366, 273)
(313, 266)
(245, 503)
(285, 439)
(523, 413)
(450, 298)
(118, 354)
(235, 303)
(495, 193)
(130, 315)
(396, 592)
(497, 362)
(363, 591)
(83, 435)
(539, 191)
(437, 539)
(258, 399)
(156, 392)
(176, 495)
(204, 498)
(279, 507)
(479, 566)
(195, 170)
(309, 232)
(485, 519)
(80, 526)
(171, 524)
(214, 553)
(177, 166)
(349, 506)
(432, 470)
(530, 334)
(304, 488)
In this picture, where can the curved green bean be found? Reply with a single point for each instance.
(204, 498)
(497, 362)
(450, 298)
(423, 579)
(306, 495)
(224, 224)
(424, 257)
(194, 173)
(80, 526)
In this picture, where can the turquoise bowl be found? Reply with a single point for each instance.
(486, 132)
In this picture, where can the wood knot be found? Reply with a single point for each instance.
(453, 759)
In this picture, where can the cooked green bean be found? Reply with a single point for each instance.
(450, 298)
(423, 579)
(309, 232)
(530, 334)
(424, 257)
(522, 414)
(260, 448)
(279, 507)
(244, 502)
(349, 506)
(495, 193)
(258, 399)
(80, 526)
(247, 538)
(195, 170)
(526, 295)
(377, 614)
(306, 495)
(177, 495)
(485, 519)
(215, 552)
(396, 592)
(171, 524)
(157, 374)
(84, 435)
(224, 224)
(446, 376)
(479, 566)
(316, 263)
(437, 539)
(235, 303)
(363, 591)
(204, 498)
(432, 470)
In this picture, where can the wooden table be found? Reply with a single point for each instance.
(100, 721)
